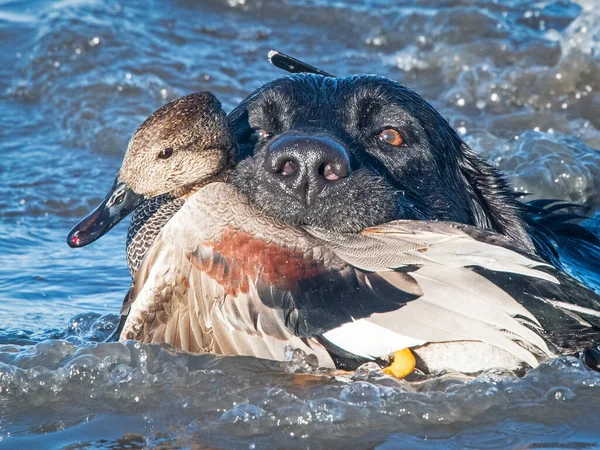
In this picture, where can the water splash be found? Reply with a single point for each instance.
(515, 78)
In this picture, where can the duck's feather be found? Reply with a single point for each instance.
(222, 277)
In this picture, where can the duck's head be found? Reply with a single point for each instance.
(184, 144)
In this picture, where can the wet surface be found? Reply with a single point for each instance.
(520, 81)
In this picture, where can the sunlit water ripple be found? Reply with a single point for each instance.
(520, 81)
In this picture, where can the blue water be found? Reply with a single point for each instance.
(520, 80)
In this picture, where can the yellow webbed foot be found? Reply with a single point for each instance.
(403, 364)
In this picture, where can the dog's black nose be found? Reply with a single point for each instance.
(305, 165)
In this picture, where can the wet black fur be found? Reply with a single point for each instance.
(433, 175)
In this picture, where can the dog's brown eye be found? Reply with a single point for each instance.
(391, 136)
(165, 153)
(261, 133)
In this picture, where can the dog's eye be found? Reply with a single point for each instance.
(165, 153)
(392, 137)
(261, 133)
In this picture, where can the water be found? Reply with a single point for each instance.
(520, 80)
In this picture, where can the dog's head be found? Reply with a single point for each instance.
(347, 153)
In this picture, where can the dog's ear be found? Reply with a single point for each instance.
(493, 203)
(240, 126)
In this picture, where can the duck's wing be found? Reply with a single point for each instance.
(222, 277)
(476, 286)
(188, 292)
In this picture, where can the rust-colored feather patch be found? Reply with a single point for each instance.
(240, 256)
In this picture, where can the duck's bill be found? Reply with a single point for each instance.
(119, 202)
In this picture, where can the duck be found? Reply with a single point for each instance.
(213, 273)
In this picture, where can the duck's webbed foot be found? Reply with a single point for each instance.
(402, 365)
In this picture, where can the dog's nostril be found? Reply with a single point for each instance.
(289, 168)
(282, 164)
(333, 172)
(328, 173)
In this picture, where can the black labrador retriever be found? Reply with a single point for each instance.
(348, 153)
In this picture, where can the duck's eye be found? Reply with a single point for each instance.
(261, 133)
(119, 199)
(392, 137)
(165, 153)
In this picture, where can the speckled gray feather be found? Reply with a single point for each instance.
(146, 222)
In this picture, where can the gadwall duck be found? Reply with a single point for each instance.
(221, 276)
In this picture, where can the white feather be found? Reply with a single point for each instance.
(369, 340)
